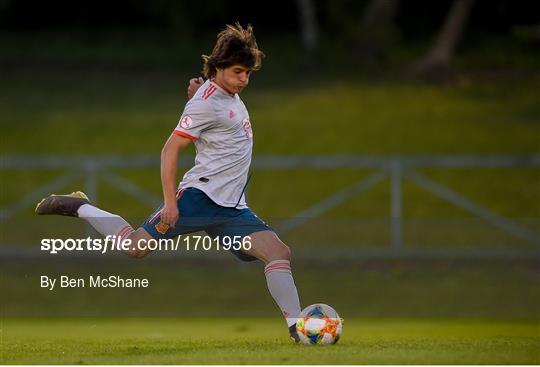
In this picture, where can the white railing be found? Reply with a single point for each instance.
(396, 168)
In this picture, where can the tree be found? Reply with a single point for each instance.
(309, 30)
(437, 59)
(376, 29)
(536, 35)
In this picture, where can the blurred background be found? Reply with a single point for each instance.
(396, 151)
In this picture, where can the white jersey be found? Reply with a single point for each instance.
(218, 124)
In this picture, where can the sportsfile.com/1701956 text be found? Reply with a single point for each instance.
(112, 243)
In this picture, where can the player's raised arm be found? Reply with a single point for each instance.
(194, 85)
(169, 167)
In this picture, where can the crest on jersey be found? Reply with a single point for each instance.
(186, 121)
(246, 124)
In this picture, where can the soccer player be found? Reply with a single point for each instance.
(211, 195)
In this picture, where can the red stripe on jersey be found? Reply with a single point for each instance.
(206, 91)
(209, 91)
(185, 135)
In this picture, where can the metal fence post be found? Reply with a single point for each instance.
(396, 205)
(91, 167)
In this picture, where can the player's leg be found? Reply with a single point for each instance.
(267, 247)
(77, 204)
(112, 224)
(136, 238)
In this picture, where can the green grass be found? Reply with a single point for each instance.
(264, 341)
(221, 287)
(127, 114)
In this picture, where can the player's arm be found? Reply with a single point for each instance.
(169, 167)
(198, 116)
(193, 86)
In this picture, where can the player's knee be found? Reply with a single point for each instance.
(135, 253)
(282, 252)
(134, 250)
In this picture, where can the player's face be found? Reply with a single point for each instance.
(234, 78)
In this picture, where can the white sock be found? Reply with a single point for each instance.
(104, 222)
(281, 286)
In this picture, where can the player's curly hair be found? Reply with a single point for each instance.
(235, 46)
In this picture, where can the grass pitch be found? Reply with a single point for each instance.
(264, 341)
(102, 113)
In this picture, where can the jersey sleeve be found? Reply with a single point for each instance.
(198, 116)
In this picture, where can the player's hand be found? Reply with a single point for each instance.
(194, 84)
(169, 215)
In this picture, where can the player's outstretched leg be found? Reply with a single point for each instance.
(266, 246)
(77, 204)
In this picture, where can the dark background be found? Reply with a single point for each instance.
(416, 19)
(160, 34)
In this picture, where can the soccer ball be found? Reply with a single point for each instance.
(319, 324)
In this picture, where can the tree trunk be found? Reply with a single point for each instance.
(437, 60)
(309, 30)
(536, 35)
(379, 12)
(376, 30)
